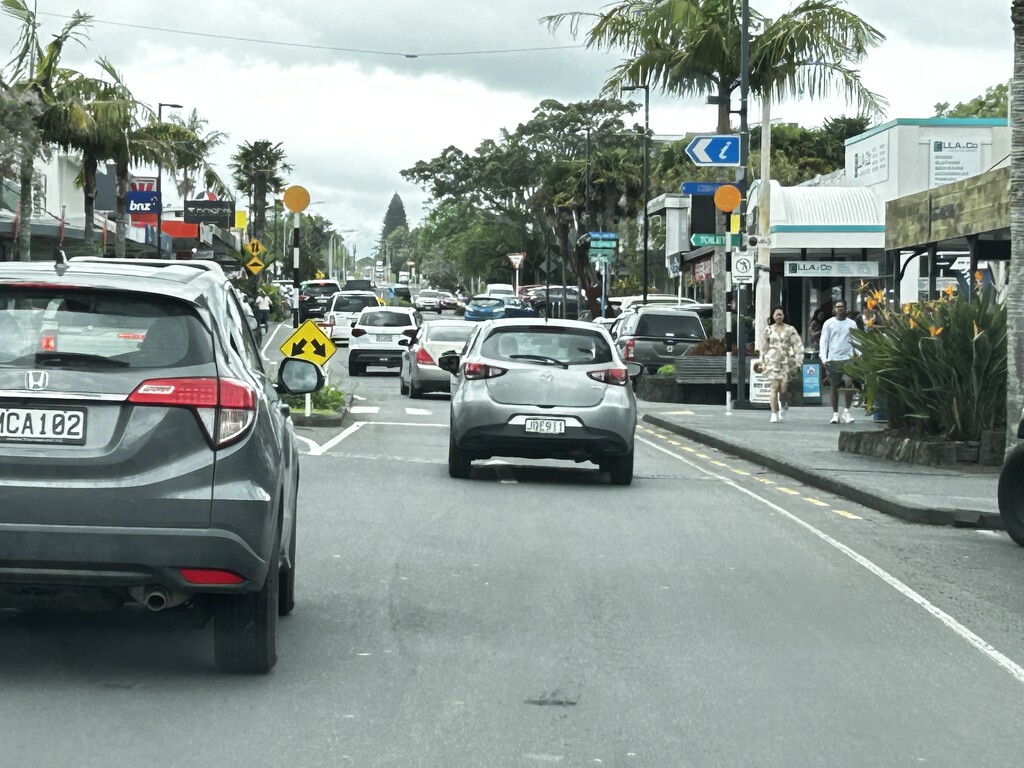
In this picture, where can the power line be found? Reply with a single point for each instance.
(336, 49)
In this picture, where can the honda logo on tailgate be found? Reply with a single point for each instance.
(36, 380)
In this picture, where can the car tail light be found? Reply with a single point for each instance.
(358, 332)
(482, 371)
(48, 342)
(209, 576)
(618, 376)
(628, 352)
(225, 408)
(423, 357)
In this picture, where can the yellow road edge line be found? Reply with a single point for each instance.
(814, 501)
(719, 463)
(765, 481)
(741, 472)
(702, 455)
(847, 515)
(790, 491)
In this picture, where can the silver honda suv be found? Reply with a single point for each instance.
(145, 455)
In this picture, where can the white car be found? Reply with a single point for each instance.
(428, 300)
(373, 340)
(343, 312)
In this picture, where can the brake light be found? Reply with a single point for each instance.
(628, 352)
(619, 376)
(358, 332)
(225, 408)
(423, 357)
(48, 342)
(482, 371)
(209, 576)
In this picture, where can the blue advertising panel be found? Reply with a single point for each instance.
(811, 375)
(143, 202)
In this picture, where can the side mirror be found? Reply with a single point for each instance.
(405, 342)
(296, 376)
(450, 362)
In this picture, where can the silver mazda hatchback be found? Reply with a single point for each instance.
(145, 455)
(541, 389)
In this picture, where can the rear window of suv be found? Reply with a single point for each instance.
(551, 345)
(98, 329)
(321, 289)
(679, 326)
(385, 319)
(353, 303)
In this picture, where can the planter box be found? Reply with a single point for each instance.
(703, 370)
(656, 389)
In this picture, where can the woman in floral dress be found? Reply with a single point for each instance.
(781, 353)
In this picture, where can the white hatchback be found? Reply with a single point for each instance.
(374, 337)
(343, 312)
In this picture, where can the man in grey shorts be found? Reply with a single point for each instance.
(836, 348)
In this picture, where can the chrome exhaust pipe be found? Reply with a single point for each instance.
(157, 598)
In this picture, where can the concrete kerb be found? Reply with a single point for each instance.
(883, 504)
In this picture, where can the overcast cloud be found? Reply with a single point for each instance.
(350, 120)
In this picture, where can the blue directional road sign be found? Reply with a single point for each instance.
(722, 150)
(700, 187)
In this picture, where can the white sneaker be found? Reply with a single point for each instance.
(847, 418)
(834, 419)
(782, 415)
(775, 418)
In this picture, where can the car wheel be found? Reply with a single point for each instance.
(459, 463)
(620, 468)
(1011, 495)
(286, 579)
(245, 626)
(355, 369)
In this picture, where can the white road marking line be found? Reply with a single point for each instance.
(357, 397)
(417, 412)
(371, 409)
(313, 445)
(1015, 670)
(270, 340)
(320, 450)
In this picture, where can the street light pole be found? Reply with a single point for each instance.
(646, 173)
(159, 179)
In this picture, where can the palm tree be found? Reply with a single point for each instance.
(193, 158)
(1015, 288)
(35, 76)
(256, 169)
(692, 48)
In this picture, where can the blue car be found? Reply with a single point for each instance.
(495, 307)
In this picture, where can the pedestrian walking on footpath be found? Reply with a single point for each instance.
(263, 306)
(781, 353)
(836, 348)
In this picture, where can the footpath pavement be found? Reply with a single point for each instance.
(806, 447)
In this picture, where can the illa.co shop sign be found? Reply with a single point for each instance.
(831, 269)
(952, 160)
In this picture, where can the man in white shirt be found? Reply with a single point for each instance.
(837, 347)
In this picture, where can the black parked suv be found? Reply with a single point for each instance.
(1011, 489)
(145, 455)
(315, 298)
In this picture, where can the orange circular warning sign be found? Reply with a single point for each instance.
(296, 199)
(727, 198)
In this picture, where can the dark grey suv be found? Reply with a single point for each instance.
(145, 455)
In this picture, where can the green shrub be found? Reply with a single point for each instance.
(329, 398)
(667, 370)
(937, 368)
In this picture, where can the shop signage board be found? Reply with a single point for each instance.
(831, 269)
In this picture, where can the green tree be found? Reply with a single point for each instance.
(992, 103)
(692, 48)
(40, 84)
(192, 158)
(257, 170)
(800, 154)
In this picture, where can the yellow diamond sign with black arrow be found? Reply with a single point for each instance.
(310, 343)
(255, 247)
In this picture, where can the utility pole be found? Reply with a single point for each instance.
(741, 298)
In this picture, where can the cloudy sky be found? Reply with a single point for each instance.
(334, 80)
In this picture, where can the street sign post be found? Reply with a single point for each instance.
(254, 247)
(700, 187)
(714, 150)
(310, 343)
(702, 240)
(742, 269)
(255, 265)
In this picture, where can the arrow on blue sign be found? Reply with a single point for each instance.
(700, 187)
(722, 150)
